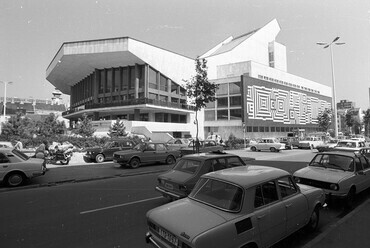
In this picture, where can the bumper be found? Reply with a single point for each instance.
(120, 161)
(149, 239)
(169, 194)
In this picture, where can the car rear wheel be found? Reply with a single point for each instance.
(170, 160)
(15, 179)
(253, 148)
(99, 158)
(314, 220)
(135, 163)
(272, 149)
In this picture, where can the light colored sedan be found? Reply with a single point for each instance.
(16, 167)
(269, 144)
(247, 206)
(342, 174)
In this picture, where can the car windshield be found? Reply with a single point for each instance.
(346, 144)
(139, 147)
(20, 154)
(333, 161)
(192, 143)
(187, 165)
(218, 194)
(108, 144)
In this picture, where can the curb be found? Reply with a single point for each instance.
(341, 221)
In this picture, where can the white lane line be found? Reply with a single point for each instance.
(119, 205)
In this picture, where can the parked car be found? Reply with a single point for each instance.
(16, 167)
(350, 145)
(6, 144)
(327, 146)
(177, 143)
(204, 146)
(342, 174)
(246, 206)
(270, 144)
(181, 179)
(147, 152)
(290, 142)
(310, 143)
(105, 153)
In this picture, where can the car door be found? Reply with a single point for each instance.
(365, 173)
(269, 213)
(4, 164)
(114, 147)
(295, 204)
(161, 152)
(149, 153)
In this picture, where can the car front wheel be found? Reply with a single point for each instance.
(253, 148)
(314, 220)
(273, 149)
(170, 160)
(135, 163)
(15, 179)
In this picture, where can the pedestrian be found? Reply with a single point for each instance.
(18, 145)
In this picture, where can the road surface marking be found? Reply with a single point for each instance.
(119, 205)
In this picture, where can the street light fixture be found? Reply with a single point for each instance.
(4, 101)
(334, 101)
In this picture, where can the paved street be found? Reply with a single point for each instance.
(110, 212)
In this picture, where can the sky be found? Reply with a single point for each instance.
(32, 31)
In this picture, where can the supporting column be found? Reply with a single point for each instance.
(136, 81)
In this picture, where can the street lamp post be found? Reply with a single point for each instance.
(334, 101)
(4, 102)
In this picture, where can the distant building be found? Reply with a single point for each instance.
(344, 104)
(144, 86)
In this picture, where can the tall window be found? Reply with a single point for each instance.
(152, 79)
(222, 89)
(163, 83)
(108, 87)
(117, 79)
(235, 88)
(132, 77)
(125, 78)
(102, 81)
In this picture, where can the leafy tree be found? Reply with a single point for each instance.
(18, 127)
(200, 90)
(50, 127)
(367, 121)
(349, 119)
(118, 129)
(324, 119)
(84, 127)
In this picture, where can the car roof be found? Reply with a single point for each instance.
(204, 156)
(247, 176)
(350, 153)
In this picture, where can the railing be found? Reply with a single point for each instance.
(130, 103)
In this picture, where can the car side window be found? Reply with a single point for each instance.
(287, 187)
(161, 147)
(365, 163)
(150, 147)
(219, 164)
(178, 142)
(358, 165)
(4, 158)
(265, 194)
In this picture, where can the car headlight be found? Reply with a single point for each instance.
(334, 186)
(183, 188)
(297, 179)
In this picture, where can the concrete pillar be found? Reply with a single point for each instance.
(136, 81)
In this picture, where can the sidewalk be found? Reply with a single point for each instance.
(350, 231)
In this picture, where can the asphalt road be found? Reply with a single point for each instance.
(111, 212)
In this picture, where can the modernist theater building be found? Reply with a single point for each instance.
(144, 85)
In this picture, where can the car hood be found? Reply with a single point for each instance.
(176, 176)
(186, 217)
(322, 174)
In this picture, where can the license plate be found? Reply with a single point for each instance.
(169, 237)
(168, 186)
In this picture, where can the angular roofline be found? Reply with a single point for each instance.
(112, 38)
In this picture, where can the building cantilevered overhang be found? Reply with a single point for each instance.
(76, 60)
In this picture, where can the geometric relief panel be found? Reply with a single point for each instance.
(282, 106)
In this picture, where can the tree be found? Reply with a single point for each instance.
(324, 119)
(18, 127)
(50, 127)
(199, 90)
(367, 121)
(349, 119)
(118, 129)
(84, 127)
